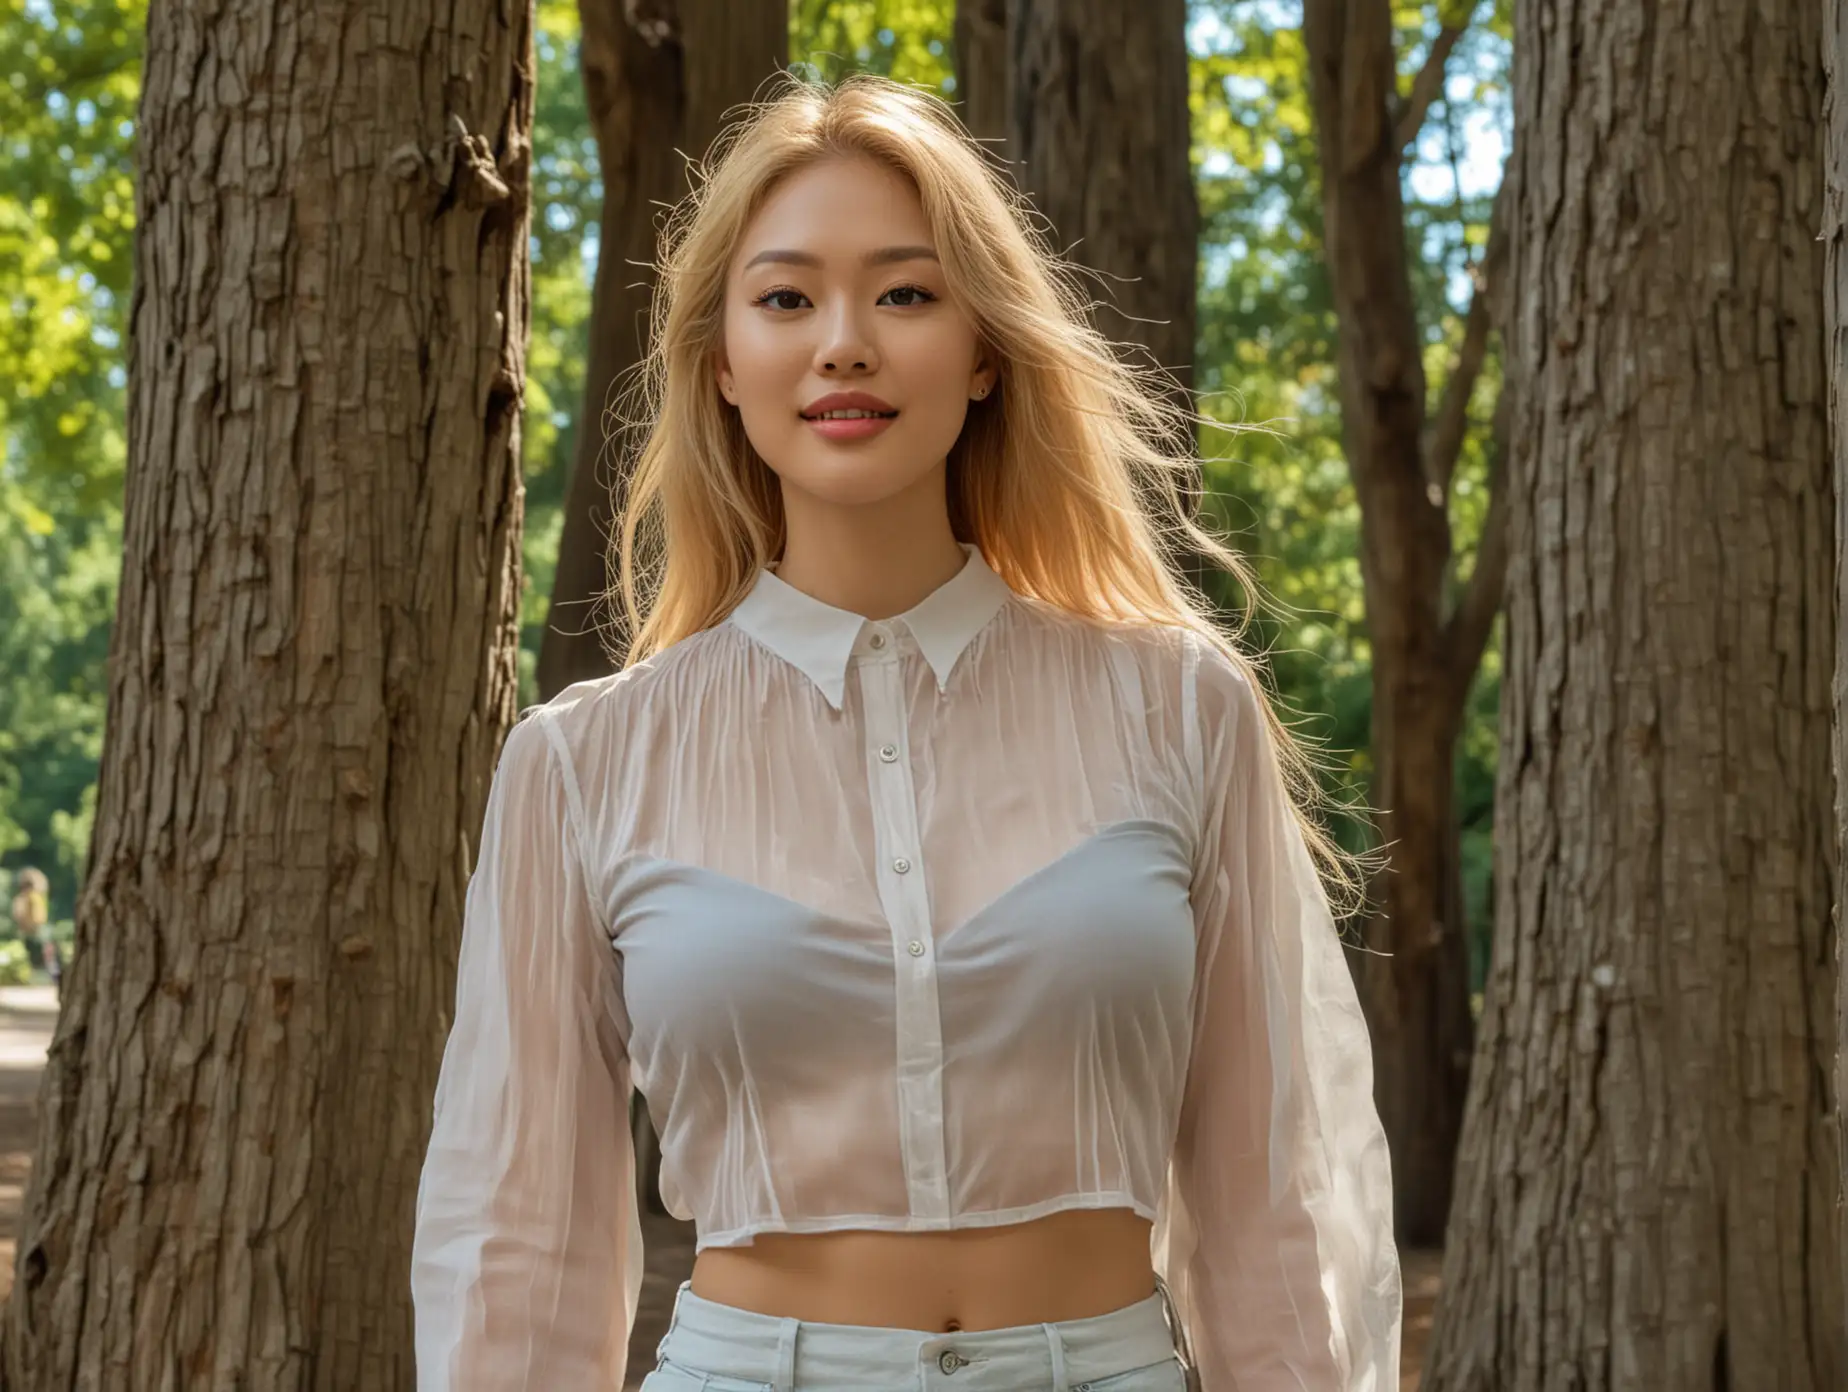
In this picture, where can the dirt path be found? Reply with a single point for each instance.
(28, 1014)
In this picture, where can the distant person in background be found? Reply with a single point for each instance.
(32, 918)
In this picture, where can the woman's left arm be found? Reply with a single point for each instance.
(1276, 1231)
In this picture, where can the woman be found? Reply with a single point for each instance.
(32, 920)
(931, 868)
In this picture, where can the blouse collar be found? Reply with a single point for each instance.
(818, 638)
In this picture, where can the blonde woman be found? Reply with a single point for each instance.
(933, 868)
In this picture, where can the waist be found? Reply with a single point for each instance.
(1070, 1265)
(717, 1340)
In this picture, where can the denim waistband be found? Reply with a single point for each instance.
(775, 1350)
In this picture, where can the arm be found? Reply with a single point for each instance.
(526, 1262)
(1276, 1231)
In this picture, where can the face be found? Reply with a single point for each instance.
(835, 303)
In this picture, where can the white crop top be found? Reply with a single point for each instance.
(954, 919)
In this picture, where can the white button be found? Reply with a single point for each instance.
(889, 752)
(901, 865)
(917, 948)
(876, 641)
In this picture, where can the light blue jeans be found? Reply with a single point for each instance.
(711, 1347)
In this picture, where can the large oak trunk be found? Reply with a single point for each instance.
(312, 665)
(658, 77)
(1835, 234)
(1648, 1184)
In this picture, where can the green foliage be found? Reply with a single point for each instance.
(906, 40)
(57, 597)
(69, 81)
(567, 205)
(15, 963)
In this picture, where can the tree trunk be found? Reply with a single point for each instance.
(312, 664)
(1647, 1191)
(980, 42)
(1098, 120)
(1100, 132)
(658, 77)
(1834, 230)
(1426, 647)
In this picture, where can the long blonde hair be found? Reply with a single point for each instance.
(1071, 477)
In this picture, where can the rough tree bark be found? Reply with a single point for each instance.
(658, 77)
(312, 665)
(1098, 120)
(980, 42)
(1427, 634)
(1835, 236)
(1099, 133)
(1648, 1184)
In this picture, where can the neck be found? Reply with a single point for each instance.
(876, 560)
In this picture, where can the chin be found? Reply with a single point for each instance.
(846, 481)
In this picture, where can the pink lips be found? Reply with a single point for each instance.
(860, 428)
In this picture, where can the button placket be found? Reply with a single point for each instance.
(905, 901)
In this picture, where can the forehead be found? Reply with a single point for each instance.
(838, 207)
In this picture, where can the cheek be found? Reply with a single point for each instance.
(939, 358)
(758, 353)
(936, 369)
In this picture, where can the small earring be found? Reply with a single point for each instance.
(981, 392)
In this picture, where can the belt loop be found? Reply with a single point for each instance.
(786, 1355)
(673, 1318)
(1057, 1347)
(1183, 1346)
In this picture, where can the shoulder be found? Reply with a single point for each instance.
(1174, 654)
(1153, 646)
(602, 709)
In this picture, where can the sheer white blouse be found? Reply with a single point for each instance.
(954, 919)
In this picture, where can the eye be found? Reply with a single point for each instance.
(772, 299)
(918, 292)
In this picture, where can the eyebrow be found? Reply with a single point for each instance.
(884, 256)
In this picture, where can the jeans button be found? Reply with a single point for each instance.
(949, 1360)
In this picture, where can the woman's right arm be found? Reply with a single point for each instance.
(527, 1258)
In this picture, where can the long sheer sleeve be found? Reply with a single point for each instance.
(1275, 1230)
(527, 1257)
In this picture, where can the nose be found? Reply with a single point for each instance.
(846, 346)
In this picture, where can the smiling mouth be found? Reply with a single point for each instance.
(850, 415)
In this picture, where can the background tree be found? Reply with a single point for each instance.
(1427, 632)
(658, 77)
(311, 666)
(1647, 1189)
(1835, 207)
(1096, 96)
(981, 71)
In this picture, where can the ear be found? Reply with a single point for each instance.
(983, 380)
(722, 374)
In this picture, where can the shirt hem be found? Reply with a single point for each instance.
(886, 1222)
